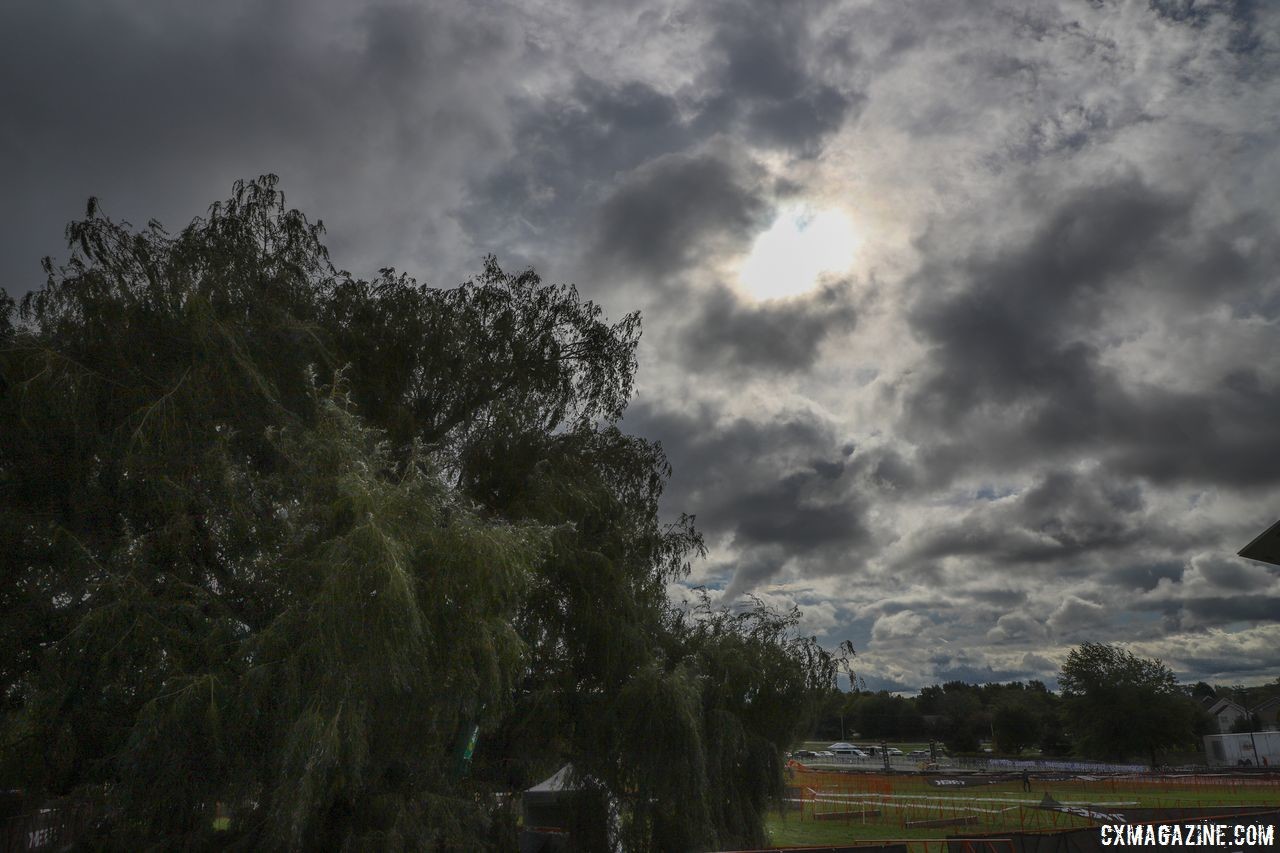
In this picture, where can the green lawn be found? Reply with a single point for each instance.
(794, 833)
(797, 830)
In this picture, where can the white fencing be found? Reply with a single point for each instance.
(896, 762)
(906, 762)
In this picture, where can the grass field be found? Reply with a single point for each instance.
(868, 807)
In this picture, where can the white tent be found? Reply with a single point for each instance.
(562, 804)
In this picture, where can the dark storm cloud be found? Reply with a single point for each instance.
(1076, 616)
(1017, 364)
(1242, 15)
(1062, 516)
(754, 569)
(158, 110)
(1219, 437)
(954, 667)
(1062, 393)
(645, 172)
(1215, 589)
(1015, 627)
(766, 80)
(1145, 577)
(891, 472)
(800, 123)
(1240, 608)
(803, 511)
(1235, 575)
(734, 336)
(877, 683)
(1001, 336)
(781, 488)
(666, 212)
(572, 145)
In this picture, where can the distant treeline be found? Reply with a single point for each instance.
(1014, 717)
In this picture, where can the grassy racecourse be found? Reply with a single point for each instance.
(1003, 807)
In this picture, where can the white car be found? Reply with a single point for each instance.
(893, 750)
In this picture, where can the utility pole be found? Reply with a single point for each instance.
(1257, 761)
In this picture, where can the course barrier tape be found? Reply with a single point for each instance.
(954, 799)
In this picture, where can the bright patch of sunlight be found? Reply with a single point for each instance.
(801, 244)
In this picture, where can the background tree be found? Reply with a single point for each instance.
(834, 721)
(1017, 724)
(1247, 723)
(1120, 704)
(881, 715)
(961, 717)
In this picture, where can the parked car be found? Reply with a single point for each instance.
(804, 753)
(893, 750)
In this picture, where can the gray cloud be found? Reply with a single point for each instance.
(1145, 577)
(572, 146)
(777, 489)
(1062, 515)
(733, 336)
(1007, 332)
(157, 111)
(766, 80)
(1016, 626)
(1019, 364)
(1036, 409)
(1076, 614)
(658, 221)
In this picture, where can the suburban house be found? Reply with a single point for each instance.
(1225, 712)
(1268, 713)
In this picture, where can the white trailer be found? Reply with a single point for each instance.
(1259, 749)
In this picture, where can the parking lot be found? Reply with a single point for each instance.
(870, 762)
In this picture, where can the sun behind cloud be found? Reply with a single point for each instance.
(803, 243)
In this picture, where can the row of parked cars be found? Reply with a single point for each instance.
(845, 749)
(850, 751)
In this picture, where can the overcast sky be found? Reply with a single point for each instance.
(1031, 401)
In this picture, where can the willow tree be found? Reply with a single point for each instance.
(280, 538)
(223, 581)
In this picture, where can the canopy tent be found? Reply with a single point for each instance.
(564, 812)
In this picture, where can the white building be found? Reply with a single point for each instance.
(1259, 749)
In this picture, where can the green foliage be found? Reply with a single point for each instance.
(759, 685)
(278, 538)
(962, 719)
(879, 716)
(1121, 705)
(1017, 725)
(1247, 723)
(225, 585)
